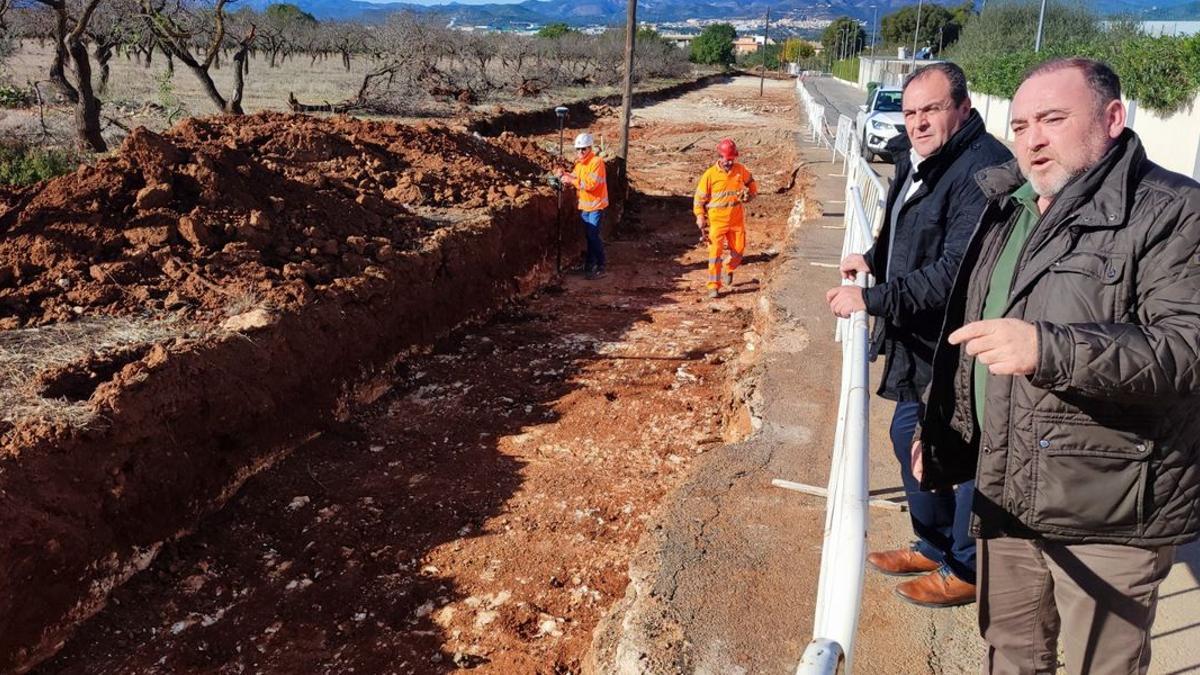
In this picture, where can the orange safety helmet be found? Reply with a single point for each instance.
(727, 149)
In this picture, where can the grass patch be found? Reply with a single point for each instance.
(22, 164)
(13, 97)
(846, 69)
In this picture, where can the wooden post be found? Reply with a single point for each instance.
(626, 107)
(627, 92)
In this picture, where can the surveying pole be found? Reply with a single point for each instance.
(561, 113)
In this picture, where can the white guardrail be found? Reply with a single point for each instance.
(815, 114)
(843, 551)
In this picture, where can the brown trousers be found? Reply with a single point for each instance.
(1100, 597)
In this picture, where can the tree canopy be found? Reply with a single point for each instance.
(939, 26)
(555, 30)
(835, 37)
(714, 46)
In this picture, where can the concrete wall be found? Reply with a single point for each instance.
(1172, 141)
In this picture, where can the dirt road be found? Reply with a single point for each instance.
(482, 513)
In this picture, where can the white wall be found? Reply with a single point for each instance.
(1172, 141)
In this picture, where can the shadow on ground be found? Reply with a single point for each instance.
(320, 563)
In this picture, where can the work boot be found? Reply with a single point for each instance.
(901, 562)
(728, 280)
(713, 294)
(939, 588)
(595, 274)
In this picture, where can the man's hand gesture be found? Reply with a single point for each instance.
(1005, 346)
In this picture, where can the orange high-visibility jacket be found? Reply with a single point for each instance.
(717, 192)
(593, 190)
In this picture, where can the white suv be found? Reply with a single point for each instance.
(879, 120)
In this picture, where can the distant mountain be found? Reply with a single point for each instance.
(599, 12)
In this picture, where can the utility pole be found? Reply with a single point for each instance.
(917, 31)
(1037, 45)
(874, 29)
(762, 74)
(627, 95)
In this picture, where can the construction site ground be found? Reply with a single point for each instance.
(583, 481)
(483, 513)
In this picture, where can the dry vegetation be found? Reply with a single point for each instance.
(41, 367)
(102, 66)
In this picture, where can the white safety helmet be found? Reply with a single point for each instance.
(583, 140)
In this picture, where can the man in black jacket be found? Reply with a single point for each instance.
(932, 208)
(1068, 385)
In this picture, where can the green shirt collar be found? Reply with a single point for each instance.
(1028, 198)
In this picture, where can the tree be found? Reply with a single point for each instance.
(964, 12)
(796, 50)
(714, 45)
(844, 37)
(281, 28)
(768, 54)
(938, 26)
(181, 30)
(75, 82)
(555, 30)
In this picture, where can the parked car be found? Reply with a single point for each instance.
(879, 120)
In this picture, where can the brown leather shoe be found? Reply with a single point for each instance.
(937, 589)
(902, 562)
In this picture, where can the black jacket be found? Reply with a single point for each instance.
(1102, 442)
(934, 227)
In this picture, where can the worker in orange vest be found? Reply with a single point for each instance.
(720, 195)
(588, 178)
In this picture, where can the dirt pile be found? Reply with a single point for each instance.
(223, 213)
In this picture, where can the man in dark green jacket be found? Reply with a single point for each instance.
(1068, 385)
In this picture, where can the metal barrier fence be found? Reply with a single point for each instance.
(815, 113)
(844, 140)
(843, 550)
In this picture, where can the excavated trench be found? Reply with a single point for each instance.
(348, 245)
(183, 315)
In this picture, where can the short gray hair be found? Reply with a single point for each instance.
(953, 73)
(1100, 78)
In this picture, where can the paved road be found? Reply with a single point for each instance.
(842, 98)
(837, 95)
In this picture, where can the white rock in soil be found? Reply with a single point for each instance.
(484, 618)
(298, 502)
(548, 625)
(248, 321)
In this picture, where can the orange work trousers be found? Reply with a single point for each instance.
(721, 235)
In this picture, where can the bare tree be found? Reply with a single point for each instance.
(197, 41)
(75, 82)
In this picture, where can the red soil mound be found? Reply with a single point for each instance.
(223, 211)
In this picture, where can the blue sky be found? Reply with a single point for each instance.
(445, 2)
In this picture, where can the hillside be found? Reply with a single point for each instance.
(593, 12)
